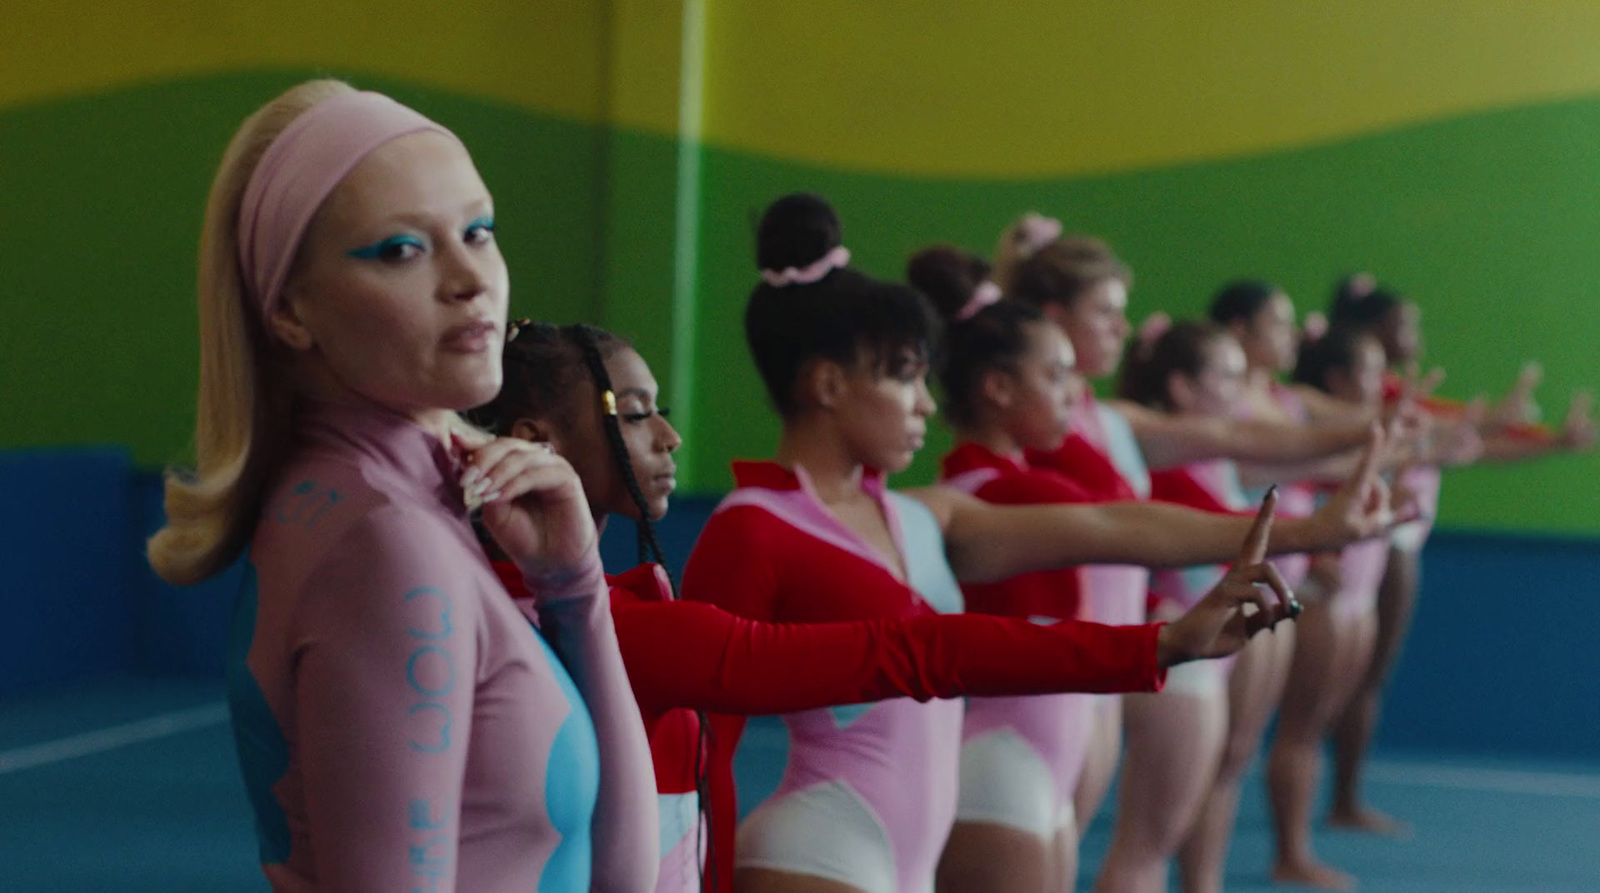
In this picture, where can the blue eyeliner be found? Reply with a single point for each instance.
(377, 250)
(485, 222)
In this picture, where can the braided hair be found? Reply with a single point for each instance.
(589, 340)
(543, 364)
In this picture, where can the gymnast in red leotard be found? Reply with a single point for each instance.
(1082, 286)
(869, 793)
(685, 658)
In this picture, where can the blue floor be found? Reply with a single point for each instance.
(158, 806)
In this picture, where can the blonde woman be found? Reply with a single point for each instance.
(401, 724)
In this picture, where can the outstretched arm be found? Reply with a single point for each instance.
(1236, 608)
(986, 542)
(688, 654)
(1170, 441)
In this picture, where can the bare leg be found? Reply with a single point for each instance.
(1174, 742)
(1066, 858)
(1310, 700)
(982, 857)
(1352, 736)
(1100, 766)
(1254, 690)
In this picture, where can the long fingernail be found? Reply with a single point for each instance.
(491, 497)
(473, 475)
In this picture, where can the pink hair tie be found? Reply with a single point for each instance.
(1314, 327)
(299, 170)
(1036, 232)
(985, 294)
(837, 258)
(1154, 326)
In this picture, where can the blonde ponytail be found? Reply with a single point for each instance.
(243, 419)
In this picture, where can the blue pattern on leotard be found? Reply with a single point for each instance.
(263, 751)
(571, 787)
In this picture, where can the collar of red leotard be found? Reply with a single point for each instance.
(769, 475)
(971, 456)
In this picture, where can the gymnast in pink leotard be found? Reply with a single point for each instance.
(684, 657)
(1335, 643)
(1082, 286)
(1009, 381)
(869, 793)
(1190, 369)
(402, 724)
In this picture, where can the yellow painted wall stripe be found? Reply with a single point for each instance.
(1033, 88)
(1049, 88)
(542, 55)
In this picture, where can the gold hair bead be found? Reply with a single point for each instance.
(610, 399)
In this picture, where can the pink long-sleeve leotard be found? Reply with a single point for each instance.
(1103, 457)
(1021, 756)
(869, 792)
(401, 723)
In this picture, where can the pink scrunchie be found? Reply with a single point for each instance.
(1314, 327)
(298, 171)
(833, 260)
(1035, 232)
(1154, 326)
(985, 294)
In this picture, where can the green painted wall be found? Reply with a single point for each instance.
(100, 218)
(1489, 220)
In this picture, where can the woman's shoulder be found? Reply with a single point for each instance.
(323, 519)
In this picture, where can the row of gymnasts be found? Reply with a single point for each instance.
(435, 686)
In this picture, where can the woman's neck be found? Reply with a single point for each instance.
(994, 438)
(316, 382)
(1260, 379)
(833, 471)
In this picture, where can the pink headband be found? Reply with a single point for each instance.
(1154, 326)
(306, 161)
(1314, 327)
(833, 260)
(1361, 284)
(985, 294)
(1035, 232)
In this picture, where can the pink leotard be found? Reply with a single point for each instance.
(1361, 567)
(869, 792)
(1296, 499)
(1055, 728)
(1103, 456)
(401, 723)
(1212, 485)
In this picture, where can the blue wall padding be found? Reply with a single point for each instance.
(66, 541)
(1501, 660)
(182, 630)
(619, 546)
(1502, 657)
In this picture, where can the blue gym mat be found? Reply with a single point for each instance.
(130, 785)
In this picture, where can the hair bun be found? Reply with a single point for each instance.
(796, 232)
